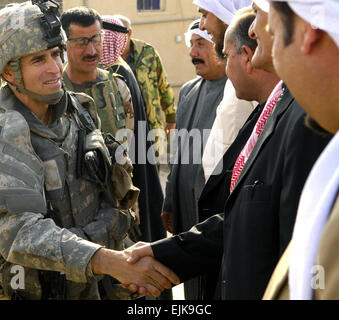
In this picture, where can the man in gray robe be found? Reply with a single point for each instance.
(198, 100)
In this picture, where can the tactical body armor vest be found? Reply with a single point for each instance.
(43, 176)
(107, 98)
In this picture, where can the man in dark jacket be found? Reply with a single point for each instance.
(248, 238)
(250, 83)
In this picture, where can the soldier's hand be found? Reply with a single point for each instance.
(147, 274)
(167, 220)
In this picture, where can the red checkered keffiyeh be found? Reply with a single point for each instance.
(114, 43)
(259, 126)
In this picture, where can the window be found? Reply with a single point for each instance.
(148, 5)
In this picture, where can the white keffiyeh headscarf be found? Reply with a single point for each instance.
(194, 29)
(322, 14)
(264, 5)
(223, 9)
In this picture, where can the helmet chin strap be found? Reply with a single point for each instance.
(52, 98)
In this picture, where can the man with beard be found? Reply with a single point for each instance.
(249, 237)
(232, 112)
(198, 100)
(308, 32)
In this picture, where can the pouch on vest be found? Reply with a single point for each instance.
(114, 178)
(126, 193)
(98, 162)
(118, 102)
(106, 95)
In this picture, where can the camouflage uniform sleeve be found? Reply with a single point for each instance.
(29, 240)
(166, 92)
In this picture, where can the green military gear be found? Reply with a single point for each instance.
(23, 32)
(116, 176)
(95, 141)
(77, 219)
(122, 171)
(85, 110)
(147, 67)
(116, 160)
(106, 95)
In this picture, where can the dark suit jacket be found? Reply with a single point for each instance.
(216, 191)
(256, 226)
(213, 195)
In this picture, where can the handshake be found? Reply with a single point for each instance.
(135, 268)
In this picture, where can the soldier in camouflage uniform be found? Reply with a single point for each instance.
(83, 27)
(58, 211)
(147, 67)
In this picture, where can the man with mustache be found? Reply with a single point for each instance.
(83, 27)
(198, 100)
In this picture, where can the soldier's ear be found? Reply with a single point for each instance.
(8, 74)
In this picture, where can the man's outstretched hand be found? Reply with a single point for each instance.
(137, 271)
(140, 251)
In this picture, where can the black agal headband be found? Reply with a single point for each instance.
(114, 27)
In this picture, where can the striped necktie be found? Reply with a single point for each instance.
(258, 128)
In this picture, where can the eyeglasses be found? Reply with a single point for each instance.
(83, 42)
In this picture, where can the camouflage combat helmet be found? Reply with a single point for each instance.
(27, 28)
